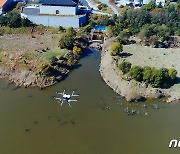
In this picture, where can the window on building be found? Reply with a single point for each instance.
(57, 11)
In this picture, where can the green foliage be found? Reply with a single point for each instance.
(147, 74)
(14, 19)
(103, 20)
(151, 21)
(67, 39)
(116, 49)
(3, 21)
(25, 22)
(149, 7)
(70, 62)
(61, 29)
(172, 73)
(45, 69)
(136, 73)
(162, 77)
(102, 6)
(154, 33)
(125, 67)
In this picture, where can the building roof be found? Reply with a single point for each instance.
(60, 2)
(2, 2)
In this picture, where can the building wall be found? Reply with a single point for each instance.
(147, 1)
(63, 10)
(56, 21)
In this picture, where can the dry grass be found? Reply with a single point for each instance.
(30, 50)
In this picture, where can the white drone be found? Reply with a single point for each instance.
(66, 97)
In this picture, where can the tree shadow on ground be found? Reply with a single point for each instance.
(125, 54)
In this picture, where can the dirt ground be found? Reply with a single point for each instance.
(22, 55)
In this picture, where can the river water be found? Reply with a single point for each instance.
(88, 127)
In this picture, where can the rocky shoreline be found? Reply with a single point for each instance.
(28, 78)
(131, 90)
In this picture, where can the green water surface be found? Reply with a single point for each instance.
(88, 127)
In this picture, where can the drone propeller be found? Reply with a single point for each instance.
(57, 98)
(73, 94)
(61, 93)
(62, 101)
(72, 101)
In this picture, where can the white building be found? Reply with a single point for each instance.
(55, 13)
(59, 7)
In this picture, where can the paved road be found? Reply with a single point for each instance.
(109, 5)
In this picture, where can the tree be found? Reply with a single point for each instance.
(147, 73)
(67, 39)
(3, 21)
(172, 73)
(149, 7)
(14, 19)
(136, 73)
(161, 77)
(25, 22)
(116, 48)
(125, 67)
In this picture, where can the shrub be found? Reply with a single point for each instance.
(147, 74)
(14, 19)
(61, 29)
(136, 73)
(102, 6)
(125, 67)
(77, 50)
(116, 49)
(172, 73)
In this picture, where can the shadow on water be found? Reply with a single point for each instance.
(87, 52)
(76, 66)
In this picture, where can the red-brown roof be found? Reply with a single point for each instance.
(2, 2)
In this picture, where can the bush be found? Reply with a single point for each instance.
(172, 73)
(14, 19)
(25, 22)
(147, 74)
(125, 67)
(156, 77)
(3, 21)
(116, 49)
(102, 6)
(77, 50)
(136, 73)
(61, 29)
(67, 39)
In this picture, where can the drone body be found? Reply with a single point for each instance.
(66, 98)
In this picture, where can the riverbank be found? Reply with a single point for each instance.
(132, 90)
(33, 59)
